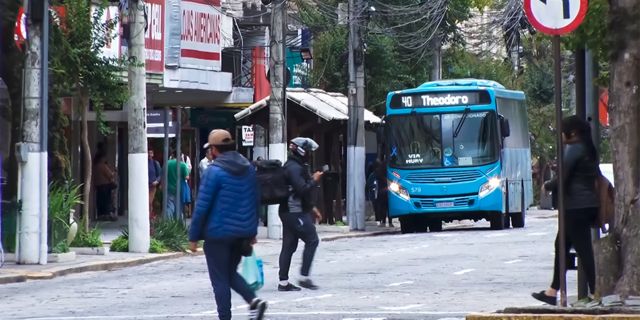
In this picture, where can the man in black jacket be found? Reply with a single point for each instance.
(295, 214)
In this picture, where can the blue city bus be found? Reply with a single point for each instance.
(457, 150)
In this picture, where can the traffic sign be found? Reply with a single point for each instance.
(555, 17)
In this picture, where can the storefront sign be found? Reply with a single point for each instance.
(154, 36)
(210, 118)
(155, 124)
(200, 38)
(247, 136)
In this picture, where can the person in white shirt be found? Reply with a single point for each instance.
(206, 161)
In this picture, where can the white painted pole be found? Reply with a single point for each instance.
(277, 126)
(31, 201)
(355, 138)
(139, 237)
(44, 136)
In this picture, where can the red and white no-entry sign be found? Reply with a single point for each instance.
(555, 17)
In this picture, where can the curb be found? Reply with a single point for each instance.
(359, 235)
(552, 317)
(12, 278)
(94, 266)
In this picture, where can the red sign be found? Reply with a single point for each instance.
(555, 17)
(20, 32)
(154, 36)
(201, 37)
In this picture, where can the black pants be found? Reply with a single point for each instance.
(104, 202)
(223, 257)
(297, 226)
(578, 235)
(383, 209)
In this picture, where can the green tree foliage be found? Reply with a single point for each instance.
(593, 33)
(78, 67)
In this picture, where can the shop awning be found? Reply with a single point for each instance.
(329, 106)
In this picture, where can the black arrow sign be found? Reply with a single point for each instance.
(566, 14)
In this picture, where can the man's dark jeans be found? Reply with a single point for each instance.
(223, 257)
(297, 226)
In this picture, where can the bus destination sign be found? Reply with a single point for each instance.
(440, 99)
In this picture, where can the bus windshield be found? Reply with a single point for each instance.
(426, 140)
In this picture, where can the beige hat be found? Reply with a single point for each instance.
(206, 145)
(219, 138)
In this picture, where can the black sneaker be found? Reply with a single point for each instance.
(288, 287)
(257, 309)
(543, 297)
(308, 284)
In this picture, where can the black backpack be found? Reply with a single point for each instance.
(272, 181)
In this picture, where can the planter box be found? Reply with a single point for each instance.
(332, 229)
(61, 257)
(51, 258)
(98, 251)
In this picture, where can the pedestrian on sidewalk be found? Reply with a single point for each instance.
(155, 176)
(372, 191)
(581, 202)
(206, 161)
(295, 214)
(383, 194)
(226, 218)
(175, 205)
(104, 184)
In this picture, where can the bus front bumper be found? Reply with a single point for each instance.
(453, 208)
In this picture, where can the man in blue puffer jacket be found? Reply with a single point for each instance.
(226, 218)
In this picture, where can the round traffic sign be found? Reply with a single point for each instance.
(555, 17)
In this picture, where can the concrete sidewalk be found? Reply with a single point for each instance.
(12, 272)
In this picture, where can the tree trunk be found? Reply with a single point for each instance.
(625, 139)
(87, 161)
(607, 265)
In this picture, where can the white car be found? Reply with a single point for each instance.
(607, 171)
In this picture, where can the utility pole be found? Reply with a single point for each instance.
(277, 103)
(355, 140)
(32, 234)
(139, 237)
(436, 62)
(165, 159)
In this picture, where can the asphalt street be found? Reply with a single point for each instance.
(439, 276)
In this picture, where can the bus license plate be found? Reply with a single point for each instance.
(444, 204)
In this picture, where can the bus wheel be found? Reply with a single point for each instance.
(406, 224)
(496, 220)
(517, 219)
(435, 225)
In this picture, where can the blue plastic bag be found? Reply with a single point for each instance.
(252, 272)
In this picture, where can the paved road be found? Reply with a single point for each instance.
(420, 276)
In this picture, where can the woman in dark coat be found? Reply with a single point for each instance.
(383, 193)
(581, 202)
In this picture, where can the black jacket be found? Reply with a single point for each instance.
(302, 187)
(579, 175)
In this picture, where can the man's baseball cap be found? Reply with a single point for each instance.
(206, 145)
(219, 138)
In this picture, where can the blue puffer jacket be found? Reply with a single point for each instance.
(228, 200)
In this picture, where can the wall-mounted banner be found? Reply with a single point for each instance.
(200, 39)
(154, 36)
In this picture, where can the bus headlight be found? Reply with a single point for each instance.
(488, 187)
(399, 190)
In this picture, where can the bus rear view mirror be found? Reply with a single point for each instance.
(505, 129)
